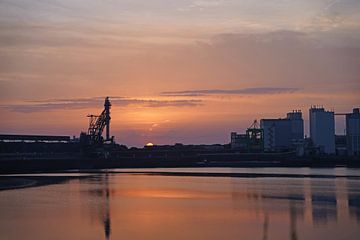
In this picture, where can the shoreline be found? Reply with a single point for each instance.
(241, 175)
(9, 182)
(16, 183)
(51, 165)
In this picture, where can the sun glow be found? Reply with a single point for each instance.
(149, 144)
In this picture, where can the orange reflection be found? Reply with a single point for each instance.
(172, 193)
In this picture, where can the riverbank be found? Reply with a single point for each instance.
(17, 181)
(56, 165)
(9, 182)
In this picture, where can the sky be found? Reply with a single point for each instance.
(186, 71)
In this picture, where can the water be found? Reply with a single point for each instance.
(117, 205)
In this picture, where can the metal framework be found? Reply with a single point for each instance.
(97, 123)
(255, 138)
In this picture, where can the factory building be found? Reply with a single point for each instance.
(297, 125)
(322, 129)
(238, 141)
(353, 132)
(283, 133)
(277, 134)
(251, 141)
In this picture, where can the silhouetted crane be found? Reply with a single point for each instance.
(97, 123)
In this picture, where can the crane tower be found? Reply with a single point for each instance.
(97, 123)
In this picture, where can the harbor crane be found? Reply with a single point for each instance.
(97, 124)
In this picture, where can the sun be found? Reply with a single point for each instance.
(149, 144)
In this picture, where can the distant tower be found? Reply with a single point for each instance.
(322, 129)
(353, 132)
(107, 106)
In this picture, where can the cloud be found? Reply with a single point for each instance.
(206, 3)
(337, 13)
(82, 103)
(243, 91)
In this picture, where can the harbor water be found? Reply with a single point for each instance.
(150, 204)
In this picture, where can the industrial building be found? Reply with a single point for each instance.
(353, 132)
(238, 141)
(297, 125)
(322, 129)
(283, 133)
(251, 141)
(277, 134)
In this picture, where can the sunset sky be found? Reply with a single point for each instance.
(176, 71)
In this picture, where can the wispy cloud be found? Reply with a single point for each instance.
(243, 91)
(82, 103)
(337, 13)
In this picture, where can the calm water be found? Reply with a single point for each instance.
(119, 205)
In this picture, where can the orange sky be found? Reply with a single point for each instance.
(176, 71)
